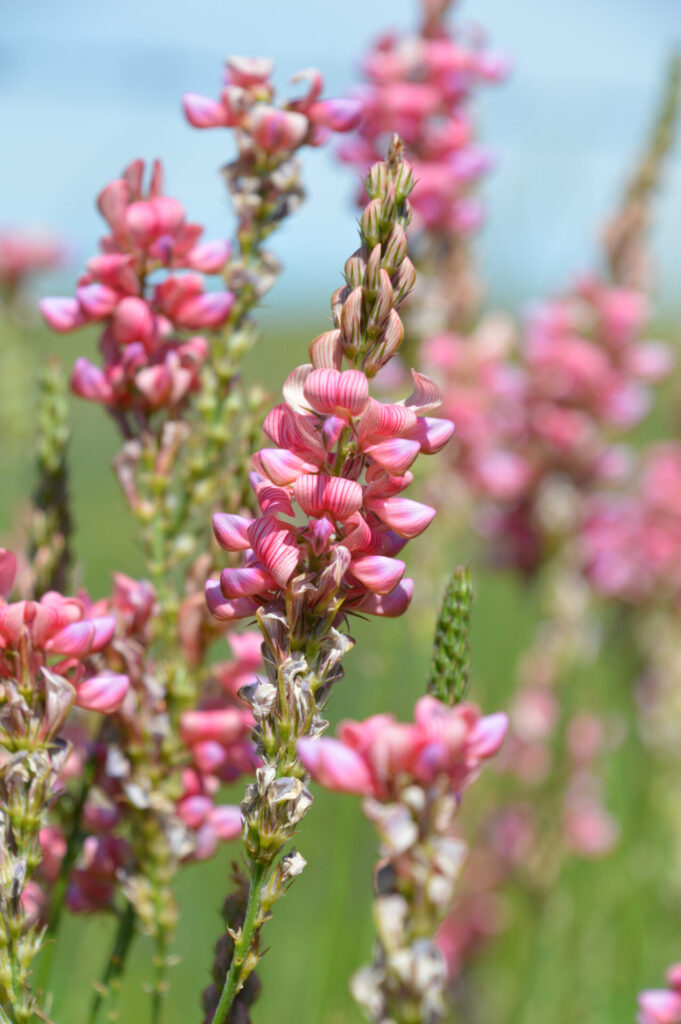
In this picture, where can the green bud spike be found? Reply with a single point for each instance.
(450, 665)
(50, 525)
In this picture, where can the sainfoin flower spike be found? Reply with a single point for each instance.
(333, 519)
(48, 664)
(412, 776)
(151, 357)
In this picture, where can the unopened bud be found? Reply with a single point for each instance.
(403, 281)
(388, 207)
(372, 280)
(383, 303)
(326, 351)
(337, 300)
(355, 268)
(376, 180)
(394, 249)
(351, 322)
(370, 224)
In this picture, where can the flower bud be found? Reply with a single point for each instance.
(376, 180)
(355, 268)
(370, 223)
(394, 249)
(403, 282)
(351, 322)
(372, 281)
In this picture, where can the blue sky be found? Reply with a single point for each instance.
(87, 86)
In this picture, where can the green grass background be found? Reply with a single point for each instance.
(609, 928)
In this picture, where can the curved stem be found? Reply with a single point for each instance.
(242, 946)
(116, 962)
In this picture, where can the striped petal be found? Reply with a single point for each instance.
(327, 351)
(336, 391)
(396, 455)
(294, 388)
(339, 497)
(295, 431)
(97, 300)
(228, 610)
(275, 500)
(431, 433)
(406, 517)
(385, 420)
(231, 532)
(426, 394)
(377, 573)
(281, 465)
(391, 605)
(245, 582)
(275, 546)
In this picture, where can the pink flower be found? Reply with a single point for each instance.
(147, 363)
(379, 756)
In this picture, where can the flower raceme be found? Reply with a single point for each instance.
(663, 1005)
(419, 86)
(146, 365)
(380, 756)
(54, 637)
(246, 103)
(343, 458)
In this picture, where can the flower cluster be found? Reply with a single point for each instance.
(48, 662)
(420, 86)
(247, 103)
(662, 1005)
(412, 775)
(631, 541)
(49, 640)
(147, 364)
(539, 430)
(380, 757)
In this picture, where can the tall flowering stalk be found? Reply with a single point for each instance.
(422, 85)
(412, 776)
(169, 375)
(343, 459)
(48, 664)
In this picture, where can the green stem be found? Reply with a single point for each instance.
(116, 962)
(242, 946)
(160, 982)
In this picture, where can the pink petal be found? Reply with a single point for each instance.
(391, 605)
(377, 573)
(274, 129)
(293, 389)
(281, 465)
(432, 434)
(210, 257)
(227, 821)
(336, 391)
(246, 582)
(98, 300)
(208, 310)
(426, 395)
(395, 456)
(104, 693)
(488, 735)
(202, 112)
(231, 532)
(339, 497)
(8, 571)
(406, 517)
(133, 320)
(340, 115)
(327, 351)
(89, 381)
(230, 610)
(275, 546)
(224, 725)
(335, 766)
(62, 315)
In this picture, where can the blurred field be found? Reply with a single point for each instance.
(608, 929)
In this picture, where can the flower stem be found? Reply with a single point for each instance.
(242, 945)
(116, 962)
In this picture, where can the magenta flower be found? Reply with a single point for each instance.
(246, 103)
(662, 1006)
(146, 365)
(380, 756)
